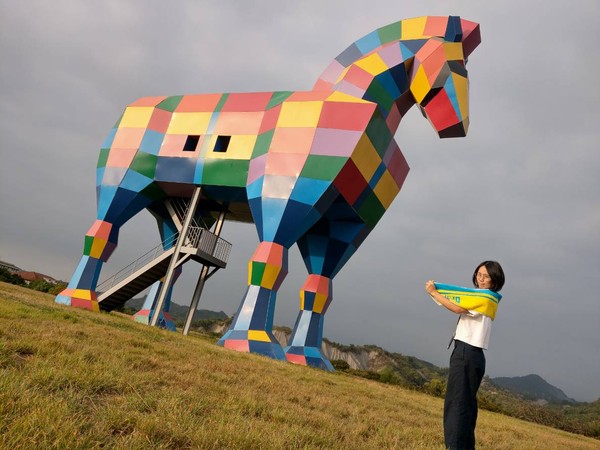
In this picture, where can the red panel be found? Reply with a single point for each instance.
(198, 103)
(441, 112)
(436, 26)
(311, 96)
(350, 182)
(240, 346)
(251, 101)
(358, 77)
(296, 359)
(346, 115)
(270, 119)
(160, 120)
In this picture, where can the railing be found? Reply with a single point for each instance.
(197, 237)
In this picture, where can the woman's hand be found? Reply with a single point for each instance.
(430, 287)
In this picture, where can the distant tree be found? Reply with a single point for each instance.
(57, 288)
(40, 285)
(11, 278)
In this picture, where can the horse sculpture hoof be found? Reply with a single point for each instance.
(308, 356)
(253, 341)
(79, 298)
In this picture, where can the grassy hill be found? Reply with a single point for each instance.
(79, 380)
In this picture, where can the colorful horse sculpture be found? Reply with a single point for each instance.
(317, 168)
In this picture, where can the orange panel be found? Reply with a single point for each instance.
(292, 140)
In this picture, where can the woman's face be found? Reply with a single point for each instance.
(483, 278)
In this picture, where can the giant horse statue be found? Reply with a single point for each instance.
(318, 168)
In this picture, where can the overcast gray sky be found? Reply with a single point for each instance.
(521, 188)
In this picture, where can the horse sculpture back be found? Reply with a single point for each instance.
(318, 168)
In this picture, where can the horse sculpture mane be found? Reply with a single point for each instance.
(318, 168)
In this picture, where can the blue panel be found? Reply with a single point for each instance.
(110, 138)
(453, 30)
(135, 181)
(377, 175)
(272, 213)
(388, 83)
(349, 55)
(244, 314)
(99, 175)
(451, 92)
(309, 190)
(368, 43)
(152, 142)
(254, 189)
(199, 171)
(175, 170)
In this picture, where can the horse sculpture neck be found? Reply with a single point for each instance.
(380, 66)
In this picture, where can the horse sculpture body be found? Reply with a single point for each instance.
(317, 168)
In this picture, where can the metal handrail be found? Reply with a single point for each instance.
(197, 237)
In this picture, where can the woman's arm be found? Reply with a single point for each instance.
(431, 290)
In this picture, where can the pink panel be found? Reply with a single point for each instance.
(120, 157)
(232, 123)
(285, 164)
(332, 142)
(128, 138)
(148, 101)
(292, 140)
(358, 77)
(198, 103)
(252, 101)
(172, 144)
(346, 115)
(391, 55)
(239, 345)
(296, 359)
(257, 168)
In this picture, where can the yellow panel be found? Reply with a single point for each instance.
(83, 294)
(338, 96)
(189, 123)
(270, 276)
(453, 51)
(413, 28)
(386, 190)
(302, 300)
(372, 64)
(240, 147)
(366, 158)
(420, 85)
(461, 87)
(136, 117)
(319, 304)
(299, 114)
(258, 335)
(97, 248)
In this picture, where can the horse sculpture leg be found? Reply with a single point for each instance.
(251, 330)
(325, 250)
(116, 205)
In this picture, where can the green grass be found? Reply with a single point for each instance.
(73, 379)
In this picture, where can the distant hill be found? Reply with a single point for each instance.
(179, 312)
(533, 387)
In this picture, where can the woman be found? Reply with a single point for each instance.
(467, 363)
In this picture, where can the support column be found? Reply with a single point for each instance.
(173, 263)
(203, 277)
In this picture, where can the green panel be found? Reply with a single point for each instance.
(263, 142)
(258, 270)
(87, 245)
(170, 103)
(323, 167)
(379, 134)
(103, 157)
(144, 163)
(371, 210)
(225, 172)
(378, 94)
(222, 101)
(153, 192)
(278, 98)
(390, 33)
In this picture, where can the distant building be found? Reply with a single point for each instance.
(32, 276)
(10, 267)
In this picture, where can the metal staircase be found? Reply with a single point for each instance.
(200, 245)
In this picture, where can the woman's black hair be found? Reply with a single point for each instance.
(495, 272)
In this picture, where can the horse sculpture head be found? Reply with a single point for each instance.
(438, 76)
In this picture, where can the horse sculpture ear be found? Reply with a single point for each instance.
(453, 30)
(471, 36)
